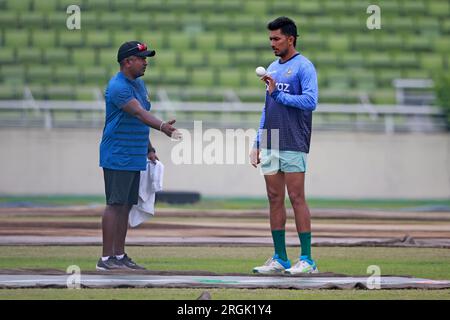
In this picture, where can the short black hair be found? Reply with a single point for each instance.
(287, 26)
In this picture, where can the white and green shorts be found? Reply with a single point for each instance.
(273, 161)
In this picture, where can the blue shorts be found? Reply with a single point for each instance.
(273, 161)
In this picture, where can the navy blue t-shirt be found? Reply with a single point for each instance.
(289, 108)
(124, 143)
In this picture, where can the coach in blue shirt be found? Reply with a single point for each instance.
(124, 149)
(283, 144)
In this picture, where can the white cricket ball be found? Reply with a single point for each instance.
(260, 71)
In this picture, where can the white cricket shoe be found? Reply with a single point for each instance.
(273, 265)
(303, 266)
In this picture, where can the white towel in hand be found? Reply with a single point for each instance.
(151, 181)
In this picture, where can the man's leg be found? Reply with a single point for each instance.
(275, 186)
(109, 228)
(121, 230)
(295, 183)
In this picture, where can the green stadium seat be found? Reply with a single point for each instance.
(16, 38)
(398, 24)
(323, 23)
(60, 92)
(40, 74)
(175, 76)
(193, 59)
(445, 27)
(379, 59)
(416, 74)
(309, 8)
(363, 79)
(84, 57)
(206, 41)
(432, 61)
(85, 93)
(428, 26)
(29, 55)
(325, 59)
(98, 5)
(312, 41)
(123, 5)
(98, 39)
(166, 21)
(7, 55)
(153, 75)
(180, 42)
(204, 77)
(338, 79)
(107, 58)
(71, 38)
(43, 38)
(257, 41)
(351, 24)
(56, 56)
(219, 59)
(405, 60)
(156, 40)
(442, 45)
(352, 59)
(138, 21)
(386, 76)
(119, 37)
(18, 5)
(339, 42)
(265, 58)
(206, 6)
(32, 20)
(335, 7)
(244, 58)
(365, 42)
(244, 22)
(232, 6)
(390, 42)
(418, 43)
(439, 9)
(166, 59)
(416, 7)
(112, 21)
(384, 96)
(150, 5)
(232, 41)
(257, 7)
(67, 74)
(229, 78)
(9, 20)
(11, 92)
(95, 75)
(12, 74)
(218, 22)
(191, 23)
(281, 8)
(58, 21)
(45, 6)
(389, 7)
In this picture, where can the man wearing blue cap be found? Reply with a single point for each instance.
(124, 148)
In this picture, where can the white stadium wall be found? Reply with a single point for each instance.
(340, 165)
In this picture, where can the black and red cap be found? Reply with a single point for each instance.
(134, 48)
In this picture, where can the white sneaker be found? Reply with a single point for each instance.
(273, 265)
(303, 266)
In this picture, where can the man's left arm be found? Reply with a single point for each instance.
(309, 97)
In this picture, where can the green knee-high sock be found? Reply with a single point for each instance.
(305, 242)
(279, 242)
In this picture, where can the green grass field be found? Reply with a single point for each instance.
(234, 203)
(426, 263)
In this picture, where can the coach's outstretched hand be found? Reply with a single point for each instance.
(170, 130)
